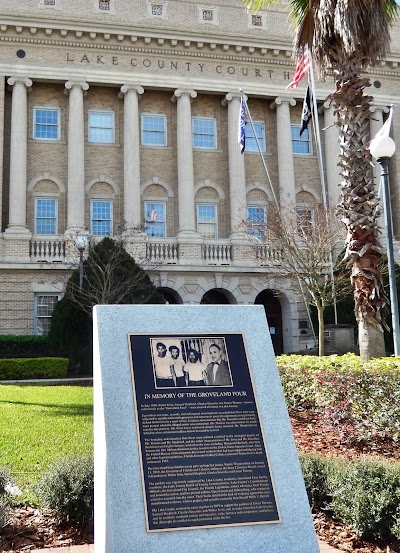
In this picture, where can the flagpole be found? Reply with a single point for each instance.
(244, 97)
(322, 174)
(318, 136)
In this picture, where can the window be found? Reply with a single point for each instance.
(154, 130)
(300, 144)
(207, 225)
(101, 127)
(43, 310)
(49, 3)
(256, 221)
(45, 216)
(104, 5)
(251, 143)
(257, 20)
(305, 220)
(46, 123)
(101, 217)
(204, 133)
(208, 15)
(157, 9)
(155, 218)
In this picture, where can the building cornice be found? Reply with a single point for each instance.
(79, 32)
(268, 50)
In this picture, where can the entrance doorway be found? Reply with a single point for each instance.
(273, 312)
(216, 296)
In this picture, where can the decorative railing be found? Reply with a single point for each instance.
(269, 254)
(217, 253)
(162, 252)
(47, 250)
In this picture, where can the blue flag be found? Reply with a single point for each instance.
(242, 127)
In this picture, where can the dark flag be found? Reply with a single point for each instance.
(307, 111)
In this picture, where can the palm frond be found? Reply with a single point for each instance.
(256, 5)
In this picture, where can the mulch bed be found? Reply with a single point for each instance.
(32, 528)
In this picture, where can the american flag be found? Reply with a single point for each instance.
(242, 127)
(152, 215)
(302, 68)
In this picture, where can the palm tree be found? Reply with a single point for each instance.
(344, 38)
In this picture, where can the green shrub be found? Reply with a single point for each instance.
(24, 346)
(315, 473)
(40, 367)
(361, 399)
(364, 494)
(68, 489)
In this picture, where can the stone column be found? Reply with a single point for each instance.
(76, 158)
(376, 123)
(131, 93)
(18, 155)
(287, 185)
(2, 98)
(187, 217)
(331, 141)
(237, 176)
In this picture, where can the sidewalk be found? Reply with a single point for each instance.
(323, 547)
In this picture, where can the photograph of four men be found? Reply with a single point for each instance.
(190, 362)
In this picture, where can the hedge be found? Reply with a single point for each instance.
(24, 346)
(362, 494)
(361, 399)
(39, 367)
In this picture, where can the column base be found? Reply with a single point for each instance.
(17, 245)
(18, 232)
(72, 232)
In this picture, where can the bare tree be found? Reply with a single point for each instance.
(111, 276)
(309, 241)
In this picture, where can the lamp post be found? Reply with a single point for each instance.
(81, 242)
(382, 148)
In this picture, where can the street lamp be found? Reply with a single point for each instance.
(81, 242)
(382, 148)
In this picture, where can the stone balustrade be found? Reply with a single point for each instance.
(168, 251)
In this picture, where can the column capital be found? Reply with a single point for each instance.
(128, 87)
(69, 85)
(327, 104)
(279, 101)
(179, 92)
(232, 96)
(23, 80)
(383, 109)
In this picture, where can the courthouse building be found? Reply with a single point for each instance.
(120, 114)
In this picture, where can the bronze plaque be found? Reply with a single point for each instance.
(202, 449)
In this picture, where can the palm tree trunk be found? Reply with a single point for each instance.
(359, 206)
(370, 340)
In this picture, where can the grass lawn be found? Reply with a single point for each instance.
(39, 424)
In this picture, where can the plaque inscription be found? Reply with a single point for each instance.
(203, 455)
